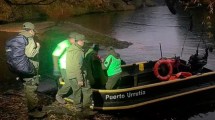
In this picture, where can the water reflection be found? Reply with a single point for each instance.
(146, 28)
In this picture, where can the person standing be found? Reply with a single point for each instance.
(112, 64)
(76, 73)
(94, 68)
(59, 62)
(21, 53)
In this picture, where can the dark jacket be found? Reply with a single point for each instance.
(16, 57)
(93, 64)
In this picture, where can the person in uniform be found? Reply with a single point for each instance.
(22, 58)
(76, 73)
(94, 68)
(59, 63)
(112, 64)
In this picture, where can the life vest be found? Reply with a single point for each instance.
(113, 65)
(163, 69)
(180, 75)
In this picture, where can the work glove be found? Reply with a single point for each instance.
(56, 73)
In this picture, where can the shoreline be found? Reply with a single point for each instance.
(47, 28)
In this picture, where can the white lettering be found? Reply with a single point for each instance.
(114, 97)
(125, 95)
(135, 94)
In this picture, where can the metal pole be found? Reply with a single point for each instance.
(161, 51)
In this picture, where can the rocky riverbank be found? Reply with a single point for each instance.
(13, 106)
(56, 31)
(12, 100)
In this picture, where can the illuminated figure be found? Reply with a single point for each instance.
(59, 62)
(112, 63)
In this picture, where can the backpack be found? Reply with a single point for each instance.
(17, 60)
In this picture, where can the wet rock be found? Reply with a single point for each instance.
(62, 29)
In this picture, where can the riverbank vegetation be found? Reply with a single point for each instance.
(21, 10)
(194, 7)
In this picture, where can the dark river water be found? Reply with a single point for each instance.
(147, 28)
